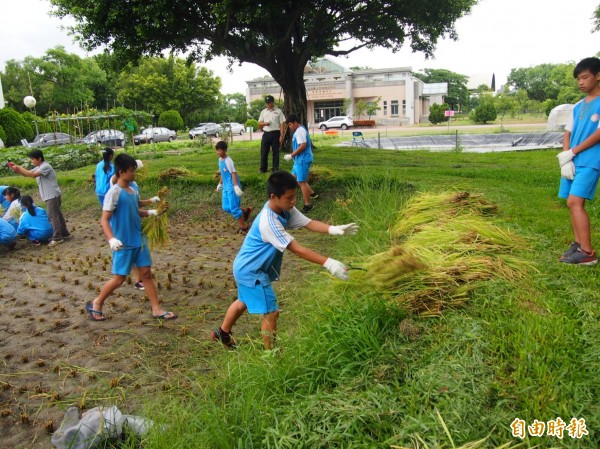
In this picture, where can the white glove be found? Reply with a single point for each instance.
(347, 229)
(154, 199)
(336, 268)
(115, 244)
(238, 191)
(152, 212)
(219, 187)
(567, 171)
(288, 157)
(139, 164)
(565, 156)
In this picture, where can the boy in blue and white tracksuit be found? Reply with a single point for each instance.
(303, 157)
(230, 184)
(258, 263)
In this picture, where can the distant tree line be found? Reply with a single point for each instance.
(65, 83)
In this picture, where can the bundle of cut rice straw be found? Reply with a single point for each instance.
(173, 173)
(445, 246)
(155, 227)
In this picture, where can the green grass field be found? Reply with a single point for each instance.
(354, 370)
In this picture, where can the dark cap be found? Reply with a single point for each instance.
(269, 99)
(292, 118)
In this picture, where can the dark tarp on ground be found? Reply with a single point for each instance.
(468, 141)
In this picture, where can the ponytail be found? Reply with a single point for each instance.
(27, 202)
(107, 155)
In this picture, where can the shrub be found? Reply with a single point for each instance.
(436, 113)
(42, 125)
(485, 112)
(2, 134)
(15, 126)
(252, 123)
(171, 119)
(364, 123)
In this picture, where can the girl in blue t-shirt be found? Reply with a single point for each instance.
(104, 171)
(34, 222)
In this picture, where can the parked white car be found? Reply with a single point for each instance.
(236, 128)
(206, 129)
(340, 121)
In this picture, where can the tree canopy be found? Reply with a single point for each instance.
(280, 35)
(458, 94)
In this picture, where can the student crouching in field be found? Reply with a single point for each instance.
(34, 222)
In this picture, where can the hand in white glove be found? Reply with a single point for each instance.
(219, 187)
(565, 156)
(139, 164)
(154, 199)
(288, 157)
(336, 268)
(347, 229)
(115, 244)
(238, 191)
(152, 212)
(567, 171)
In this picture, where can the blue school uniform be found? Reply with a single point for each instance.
(230, 202)
(8, 234)
(126, 226)
(36, 227)
(3, 201)
(103, 180)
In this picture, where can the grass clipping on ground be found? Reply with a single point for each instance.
(444, 246)
(155, 227)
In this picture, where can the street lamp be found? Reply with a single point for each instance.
(30, 102)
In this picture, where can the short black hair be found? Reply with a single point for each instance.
(280, 182)
(292, 118)
(221, 145)
(14, 191)
(124, 162)
(590, 64)
(36, 154)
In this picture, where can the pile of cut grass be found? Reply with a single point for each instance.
(444, 246)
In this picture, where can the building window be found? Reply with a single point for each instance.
(404, 108)
(394, 107)
(385, 108)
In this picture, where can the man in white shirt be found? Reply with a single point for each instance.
(272, 122)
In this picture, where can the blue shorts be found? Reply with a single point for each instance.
(583, 185)
(230, 203)
(300, 171)
(124, 259)
(259, 299)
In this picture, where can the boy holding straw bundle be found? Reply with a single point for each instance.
(229, 183)
(580, 161)
(123, 228)
(259, 261)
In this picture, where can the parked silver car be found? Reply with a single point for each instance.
(207, 129)
(49, 139)
(157, 134)
(108, 137)
(236, 128)
(340, 121)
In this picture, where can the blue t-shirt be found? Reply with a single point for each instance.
(36, 227)
(3, 201)
(584, 122)
(301, 136)
(103, 179)
(125, 221)
(226, 168)
(8, 234)
(261, 253)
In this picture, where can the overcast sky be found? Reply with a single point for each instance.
(497, 36)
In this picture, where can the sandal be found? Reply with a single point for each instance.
(165, 316)
(90, 310)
